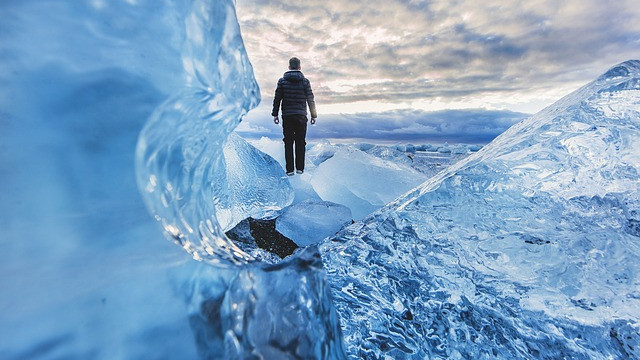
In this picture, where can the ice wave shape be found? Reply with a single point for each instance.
(527, 249)
(180, 161)
(77, 81)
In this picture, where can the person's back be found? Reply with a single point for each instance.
(294, 93)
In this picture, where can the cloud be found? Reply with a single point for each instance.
(472, 126)
(453, 51)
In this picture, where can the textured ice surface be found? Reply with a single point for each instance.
(347, 179)
(196, 190)
(390, 154)
(527, 249)
(180, 162)
(361, 181)
(431, 163)
(322, 151)
(84, 271)
(282, 311)
(311, 221)
(256, 184)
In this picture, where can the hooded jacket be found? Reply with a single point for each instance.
(294, 91)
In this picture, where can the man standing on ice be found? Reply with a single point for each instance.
(294, 91)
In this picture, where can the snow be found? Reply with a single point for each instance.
(309, 222)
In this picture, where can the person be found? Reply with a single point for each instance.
(294, 93)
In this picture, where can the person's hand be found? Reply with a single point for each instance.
(313, 121)
(276, 120)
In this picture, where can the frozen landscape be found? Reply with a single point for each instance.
(526, 248)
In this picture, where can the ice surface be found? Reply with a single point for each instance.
(256, 184)
(526, 249)
(361, 181)
(180, 162)
(388, 153)
(309, 222)
(351, 171)
(322, 151)
(272, 312)
(84, 271)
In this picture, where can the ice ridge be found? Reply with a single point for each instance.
(526, 249)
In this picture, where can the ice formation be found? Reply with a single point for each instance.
(282, 311)
(85, 273)
(309, 222)
(255, 184)
(361, 181)
(527, 249)
(362, 177)
(180, 161)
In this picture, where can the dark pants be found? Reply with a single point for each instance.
(294, 128)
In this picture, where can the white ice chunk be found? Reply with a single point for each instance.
(361, 181)
(256, 184)
(308, 222)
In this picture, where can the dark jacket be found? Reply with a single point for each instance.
(294, 91)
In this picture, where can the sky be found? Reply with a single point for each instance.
(432, 71)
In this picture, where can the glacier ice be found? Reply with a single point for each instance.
(256, 184)
(388, 153)
(526, 249)
(283, 311)
(362, 177)
(85, 273)
(198, 181)
(310, 221)
(361, 181)
(180, 162)
(82, 272)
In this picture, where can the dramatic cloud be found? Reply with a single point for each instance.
(439, 54)
(471, 126)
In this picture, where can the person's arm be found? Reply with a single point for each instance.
(310, 100)
(276, 102)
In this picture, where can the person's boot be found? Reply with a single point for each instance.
(290, 173)
(299, 171)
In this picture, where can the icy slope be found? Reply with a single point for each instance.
(527, 249)
(309, 222)
(256, 184)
